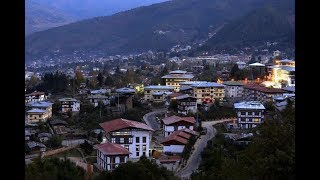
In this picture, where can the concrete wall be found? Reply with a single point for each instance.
(173, 148)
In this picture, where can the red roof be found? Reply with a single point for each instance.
(112, 149)
(120, 123)
(177, 136)
(169, 159)
(263, 89)
(173, 95)
(189, 131)
(35, 93)
(174, 119)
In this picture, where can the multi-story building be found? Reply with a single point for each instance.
(175, 77)
(69, 105)
(249, 113)
(282, 75)
(124, 98)
(35, 97)
(256, 92)
(96, 98)
(174, 123)
(233, 89)
(47, 106)
(207, 92)
(132, 135)
(186, 104)
(157, 93)
(110, 155)
(37, 115)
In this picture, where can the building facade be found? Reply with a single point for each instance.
(186, 104)
(47, 106)
(207, 92)
(69, 105)
(35, 97)
(175, 77)
(110, 155)
(174, 123)
(233, 89)
(157, 93)
(249, 113)
(37, 115)
(132, 135)
(255, 92)
(96, 98)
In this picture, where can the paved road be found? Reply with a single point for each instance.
(150, 118)
(195, 158)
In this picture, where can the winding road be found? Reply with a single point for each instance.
(195, 158)
(150, 118)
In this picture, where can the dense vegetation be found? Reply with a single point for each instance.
(144, 169)
(155, 27)
(270, 155)
(53, 168)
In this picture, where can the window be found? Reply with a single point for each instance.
(113, 140)
(122, 158)
(121, 140)
(144, 147)
(130, 140)
(144, 139)
(144, 153)
(127, 147)
(137, 153)
(137, 148)
(137, 140)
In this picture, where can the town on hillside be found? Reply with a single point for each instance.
(103, 113)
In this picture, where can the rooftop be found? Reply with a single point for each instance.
(249, 105)
(177, 136)
(287, 61)
(111, 149)
(36, 111)
(158, 87)
(178, 72)
(207, 84)
(257, 64)
(174, 119)
(36, 93)
(241, 63)
(233, 83)
(263, 89)
(99, 91)
(68, 99)
(125, 90)
(290, 89)
(118, 124)
(178, 76)
(285, 68)
(184, 96)
(40, 104)
(97, 96)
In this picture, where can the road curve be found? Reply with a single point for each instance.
(150, 118)
(195, 158)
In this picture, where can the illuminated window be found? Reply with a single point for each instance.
(113, 140)
(130, 140)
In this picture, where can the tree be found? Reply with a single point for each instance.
(100, 79)
(79, 77)
(234, 71)
(55, 141)
(100, 137)
(53, 168)
(56, 108)
(109, 81)
(173, 105)
(87, 147)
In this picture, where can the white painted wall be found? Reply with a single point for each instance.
(173, 148)
(132, 147)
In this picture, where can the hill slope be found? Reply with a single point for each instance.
(41, 17)
(270, 23)
(83, 9)
(159, 26)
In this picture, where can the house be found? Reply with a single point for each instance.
(174, 123)
(37, 115)
(175, 142)
(207, 92)
(256, 92)
(157, 93)
(100, 91)
(69, 105)
(44, 137)
(241, 65)
(96, 98)
(186, 104)
(36, 147)
(233, 89)
(111, 155)
(169, 162)
(124, 98)
(281, 102)
(175, 77)
(35, 97)
(249, 113)
(47, 106)
(132, 135)
(59, 126)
